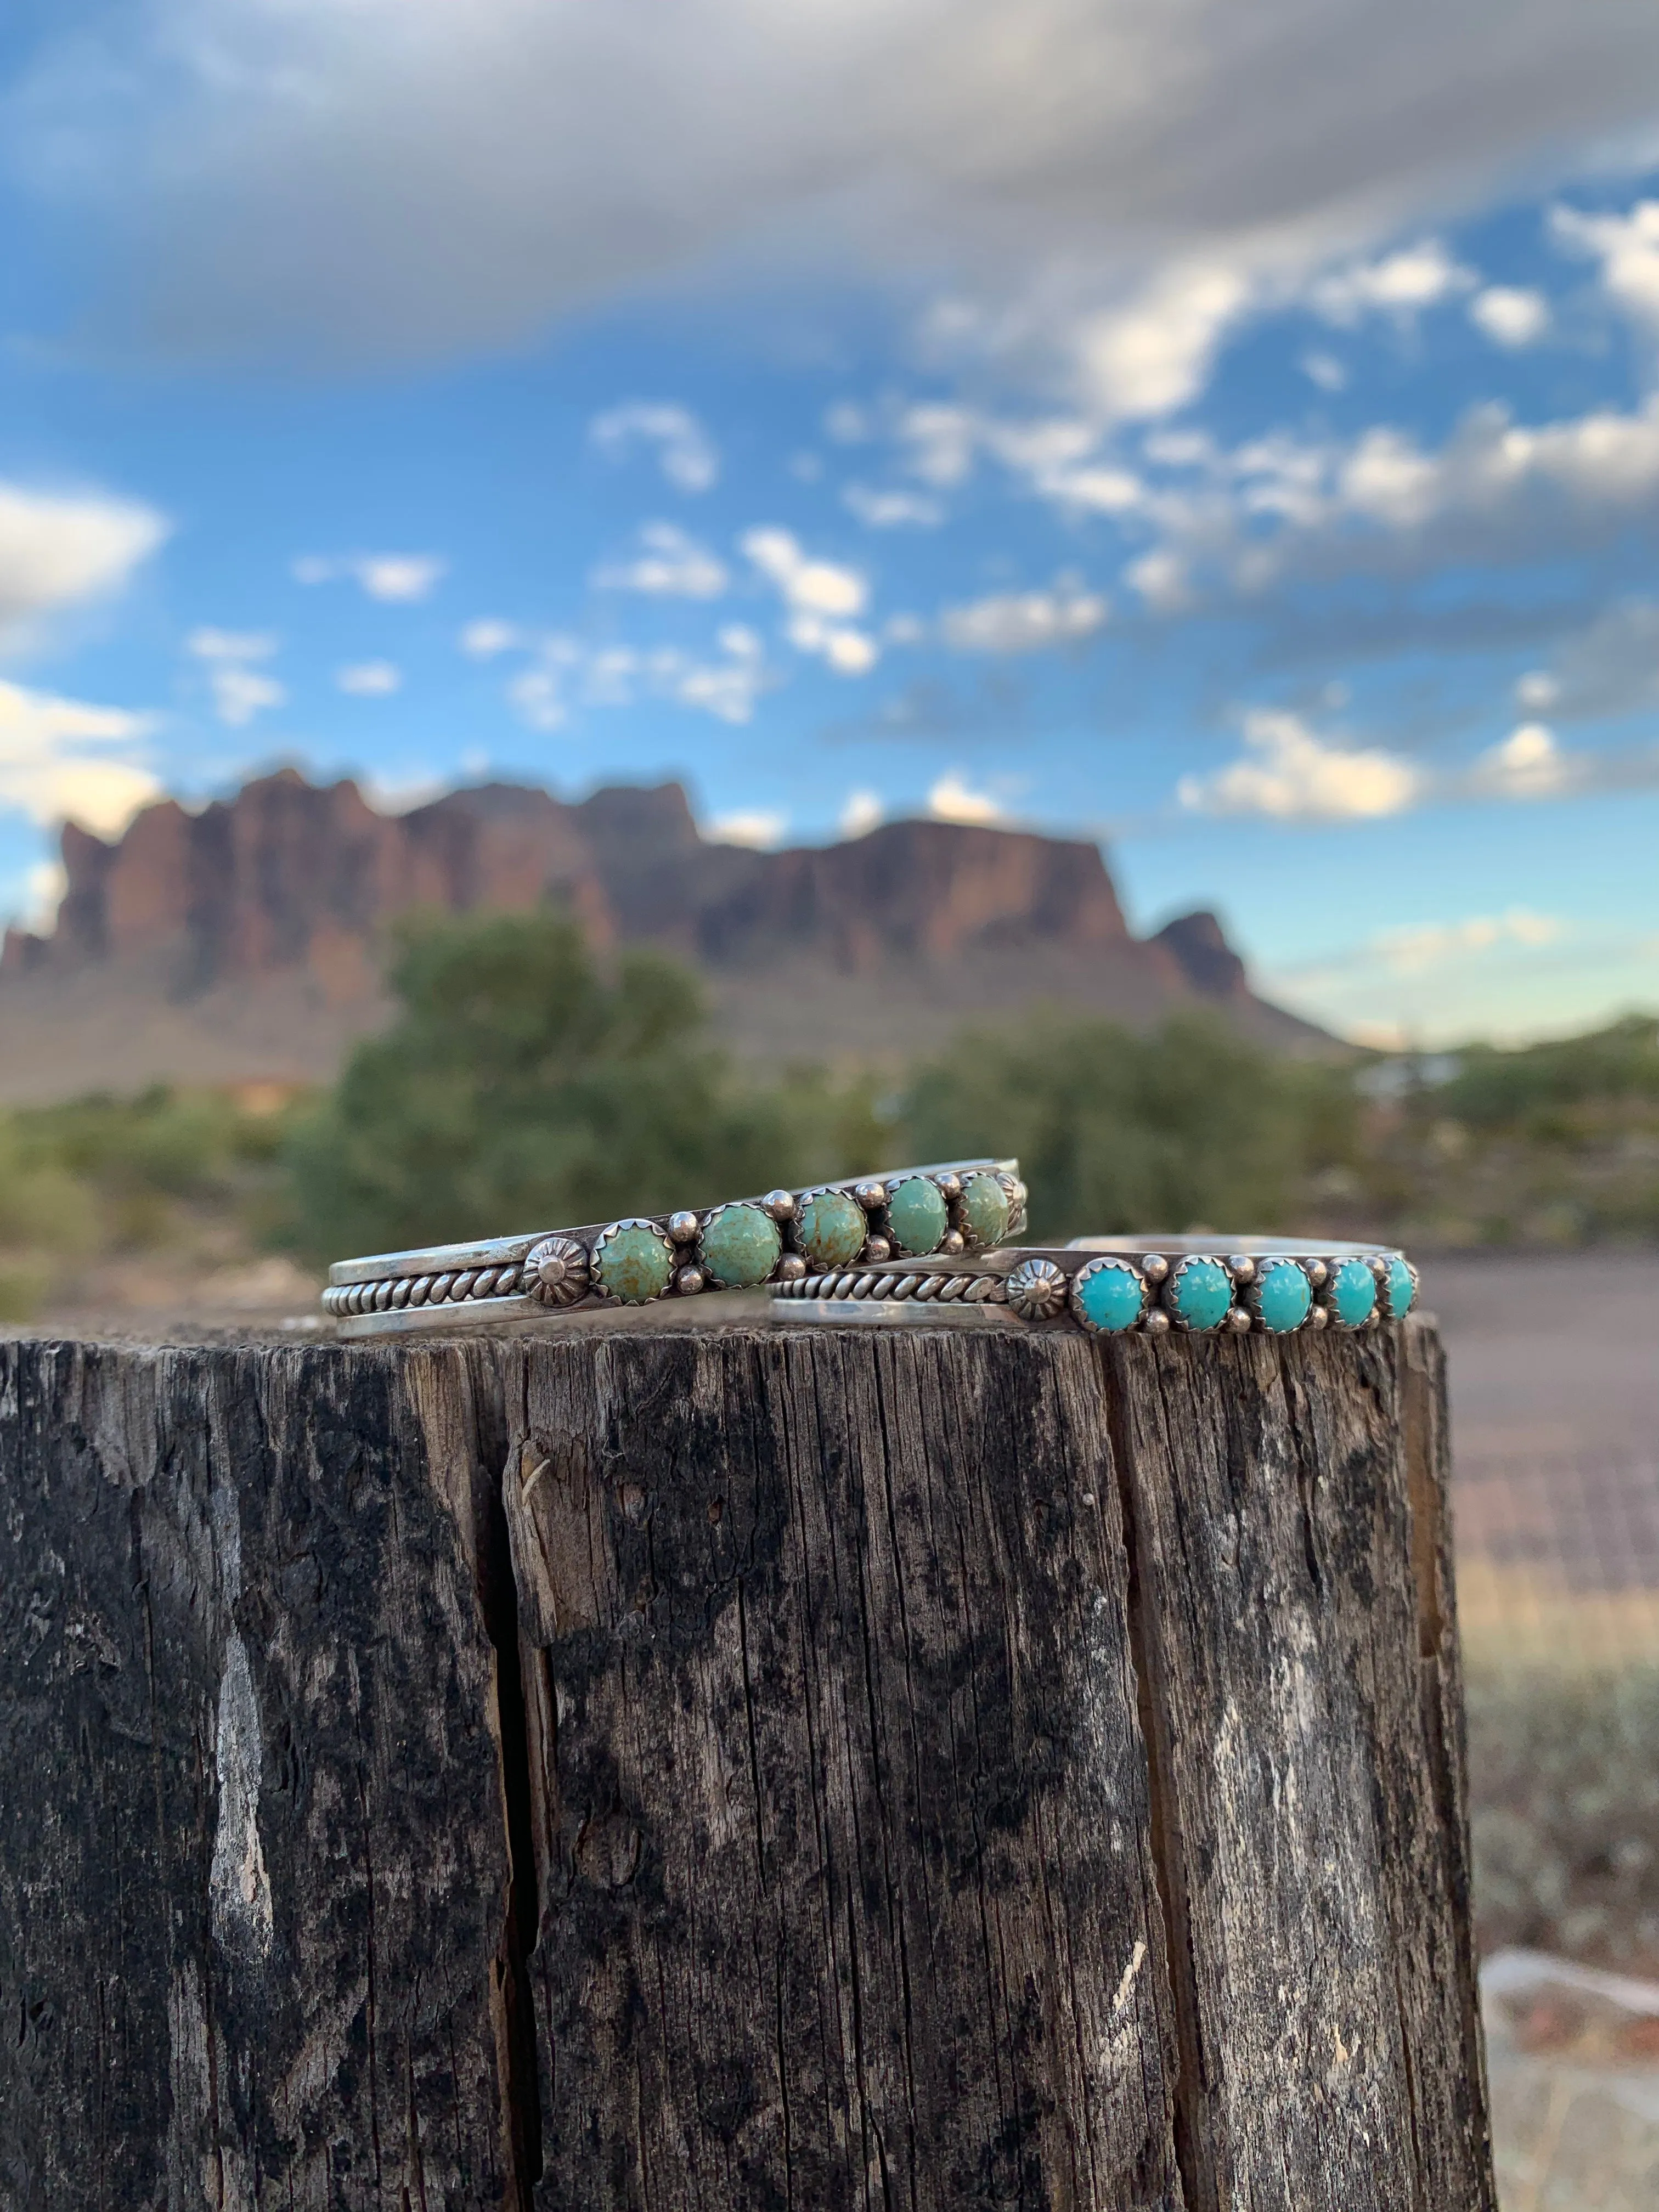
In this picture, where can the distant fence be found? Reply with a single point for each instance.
(1558, 1557)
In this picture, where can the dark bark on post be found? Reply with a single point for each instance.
(732, 1768)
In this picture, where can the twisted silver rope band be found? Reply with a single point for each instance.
(924, 1288)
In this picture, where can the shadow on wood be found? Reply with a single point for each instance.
(733, 1768)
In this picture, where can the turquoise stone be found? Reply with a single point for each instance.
(1402, 1292)
(1203, 1292)
(634, 1263)
(984, 1212)
(740, 1245)
(1352, 1292)
(1284, 1297)
(918, 1214)
(832, 1229)
(1108, 1294)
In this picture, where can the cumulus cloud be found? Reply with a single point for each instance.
(670, 564)
(820, 597)
(1626, 246)
(1511, 315)
(1526, 764)
(1293, 774)
(394, 578)
(889, 509)
(684, 452)
(488, 637)
(1023, 621)
(760, 828)
(58, 551)
(861, 812)
(261, 156)
(565, 674)
(370, 679)
(1403, 284)
(952, 798)
(240, 688)
(65, 759)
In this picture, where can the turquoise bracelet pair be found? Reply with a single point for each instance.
(1113, 1285)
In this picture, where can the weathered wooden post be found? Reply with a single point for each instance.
(733, 1768)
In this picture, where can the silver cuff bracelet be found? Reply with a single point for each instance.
(1110, 1285)
(964, 1206)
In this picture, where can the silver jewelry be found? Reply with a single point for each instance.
(784, 1236)
(1112, 1285)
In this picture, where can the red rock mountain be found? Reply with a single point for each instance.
(246, 942)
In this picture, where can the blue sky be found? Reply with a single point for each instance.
(1236, 438)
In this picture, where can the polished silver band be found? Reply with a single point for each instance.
(865, 1221)
(1111, 1286)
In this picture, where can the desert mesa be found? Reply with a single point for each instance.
(246, 941)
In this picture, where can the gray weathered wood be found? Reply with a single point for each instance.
(733, 1768)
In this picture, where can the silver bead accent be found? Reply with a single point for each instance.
(791, 1268)
(780, 1203)
(682, 1228)
(1319, 1317)
(1155, 1266)
(690, 1281)
(1238, 1320)
(953, 1242)
(1157, 1322)
(556, 1270)
(1037, 1290)
(1318, 1275)
(876, 1250)
(950, 1185)
(871, 1196)
(1241, 1268)
(1380, 1269)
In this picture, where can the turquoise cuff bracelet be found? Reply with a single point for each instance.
(962, 1207)
(1110, 1285)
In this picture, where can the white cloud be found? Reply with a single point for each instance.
(685, 452)
(63, 759)
(760, 828)
(370, 679)
(1627, 248)
(953, 800)
(43, 891)
(846, 423)
(1402, 283)
(1511, 315)
(1023, 621)
(862, 813)
(1153, 354)
(892, 510)
(670, 564)
(1325, 370)
(1161, 580)
(488, 637)
(1291, 775)
(819, 596)
(1411, 950)
(567, 675)
(1537, 690)
(58, 551)
(1526, 764)
(210, 644)
(394, 578)
(239, 693)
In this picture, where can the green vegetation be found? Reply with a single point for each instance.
(195, 1175)
(520, 1085)
(523, 1082)
(1189, 1124)
(1554, 1143)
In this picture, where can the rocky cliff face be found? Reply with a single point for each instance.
(248, 939)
